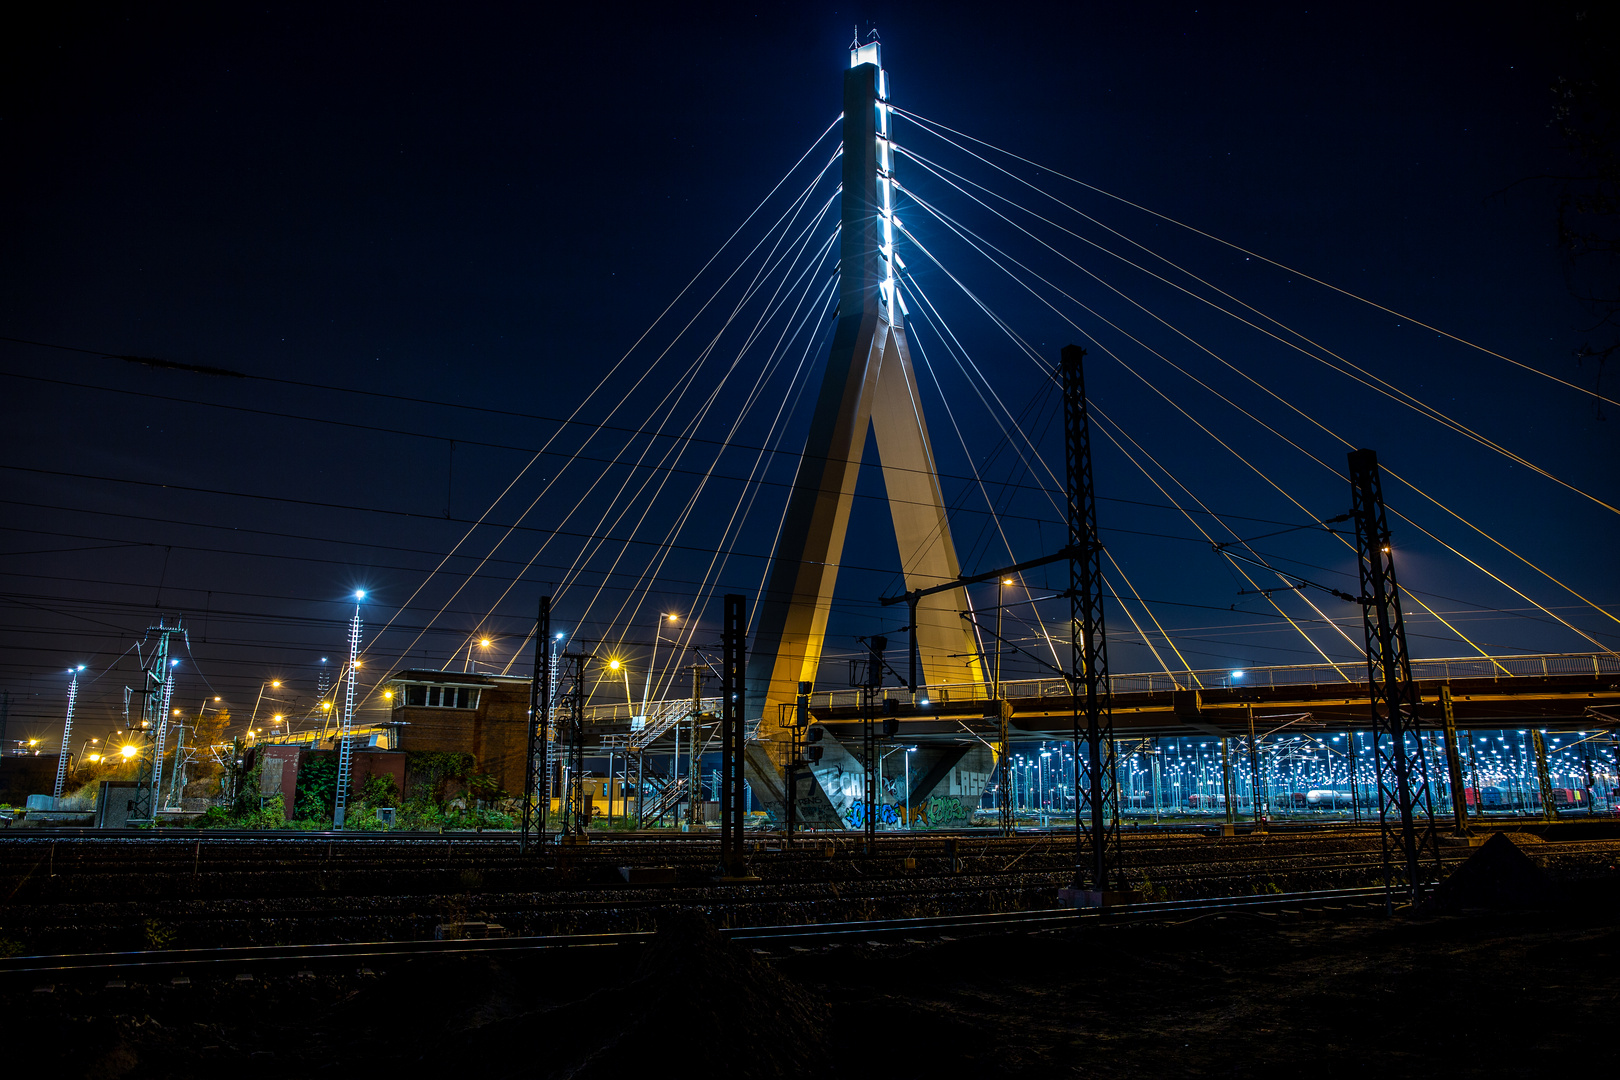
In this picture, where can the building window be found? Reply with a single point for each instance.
(441, 697)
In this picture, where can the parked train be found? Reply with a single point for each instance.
(1527, 798)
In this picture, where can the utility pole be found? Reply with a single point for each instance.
(345, 767)
(796, 762)
(177, 776)
(67, 731)
(1226, 783)
(1410, 847)
(874, 766)
(733, 862)
(1004, 803)
(1254, 770)
(694, 753)
(536, 774)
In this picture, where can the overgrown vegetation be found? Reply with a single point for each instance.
(317, 786)
(443, 792)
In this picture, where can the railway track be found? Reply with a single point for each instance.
(239, 960)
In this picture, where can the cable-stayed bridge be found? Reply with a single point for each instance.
(769, 436)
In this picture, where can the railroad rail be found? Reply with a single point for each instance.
(228, 960)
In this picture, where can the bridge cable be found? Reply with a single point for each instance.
(1357, 373)
(927, 125)
(979, 245)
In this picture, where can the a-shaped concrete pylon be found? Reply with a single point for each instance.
(869, 382)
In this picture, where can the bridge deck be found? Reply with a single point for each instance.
(1552, 691)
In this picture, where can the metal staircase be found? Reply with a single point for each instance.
(667, 799)
(664, 715)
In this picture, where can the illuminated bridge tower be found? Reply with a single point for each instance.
(869, 382)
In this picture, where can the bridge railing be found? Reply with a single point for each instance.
(660, 713)
(1347, 674)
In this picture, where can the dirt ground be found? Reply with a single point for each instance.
(1520, 993)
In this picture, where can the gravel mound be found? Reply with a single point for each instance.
(1498, 875)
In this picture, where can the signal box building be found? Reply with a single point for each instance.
(454, 712)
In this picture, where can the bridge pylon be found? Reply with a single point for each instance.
(869, 383)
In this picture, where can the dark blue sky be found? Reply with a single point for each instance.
(488, 206)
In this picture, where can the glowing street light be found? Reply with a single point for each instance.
(623, 669)
(646, 690)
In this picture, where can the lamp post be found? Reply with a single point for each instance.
(1000, 590)
(624, 669)
(646, 690)
(274, 684)
(872, 796)
(482, 643)
(1042, 765)
(907, 760)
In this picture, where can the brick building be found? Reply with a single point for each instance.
(486, 716)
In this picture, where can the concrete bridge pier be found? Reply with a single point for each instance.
(946, 783)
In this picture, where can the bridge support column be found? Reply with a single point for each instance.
(1459, 798)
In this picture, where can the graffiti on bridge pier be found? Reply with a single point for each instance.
(937, 811)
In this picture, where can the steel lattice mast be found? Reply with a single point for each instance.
(537, 771)
(67, 732)
(571, 732)
(156, 685)
(345, 768)
(1097, 839)
(1397, 734)
(161, 742)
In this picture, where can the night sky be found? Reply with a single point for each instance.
(429, 234)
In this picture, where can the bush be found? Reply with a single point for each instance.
(272, 815)
(430, 775)
(216, 817)
(317, 787)
(379, 791)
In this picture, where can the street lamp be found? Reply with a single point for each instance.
(907, 759)
(273, 684)
(871, 796)
(1000, 589)
(482, 643)
(1041, 796)
(646, 691)
(624, 670)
